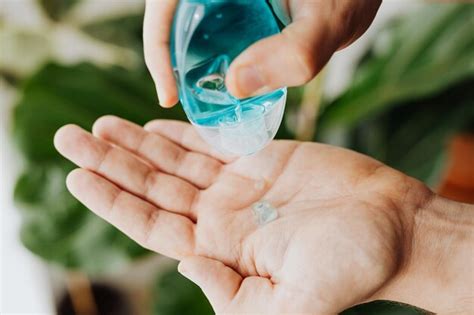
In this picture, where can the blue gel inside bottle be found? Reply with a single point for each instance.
(206, 37)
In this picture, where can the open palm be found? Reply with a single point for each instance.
(342, 217)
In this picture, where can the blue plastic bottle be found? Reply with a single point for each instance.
(207, 35)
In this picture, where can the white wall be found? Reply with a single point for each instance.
(24, 280)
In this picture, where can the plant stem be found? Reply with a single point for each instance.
(80, 291)
(309, 108)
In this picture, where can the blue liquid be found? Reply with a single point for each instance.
(207, 37)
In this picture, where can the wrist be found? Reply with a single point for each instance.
(437, 274)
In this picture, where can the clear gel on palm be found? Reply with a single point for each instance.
(207, 36)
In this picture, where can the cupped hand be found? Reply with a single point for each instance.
(318, 28)
(344, 225)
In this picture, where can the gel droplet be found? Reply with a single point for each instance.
(264, 212)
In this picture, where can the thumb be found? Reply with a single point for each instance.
(296, 55)
(290, 58)
(218, 282)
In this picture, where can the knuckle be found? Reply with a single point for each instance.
(115, 204)
(307, 62)
(149, 182)
(104, 158)
(148, 231)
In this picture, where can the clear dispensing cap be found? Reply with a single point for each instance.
(255, 128)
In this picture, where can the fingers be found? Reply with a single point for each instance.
(127, 171)
(185, 135)
(218, 282)
(156, 33)
(199, 169)
(290, 58)
(167, 233)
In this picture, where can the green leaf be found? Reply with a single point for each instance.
(384, 308)
(58, 228)
(412, 137)
(56, 9)
(55, 225)
(173, 294)
(124, 31)
(438, 54)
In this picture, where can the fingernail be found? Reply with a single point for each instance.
(249, 80)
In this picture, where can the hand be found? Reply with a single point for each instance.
(344, 234)
(318, 29)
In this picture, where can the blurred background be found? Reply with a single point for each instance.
(404, 94)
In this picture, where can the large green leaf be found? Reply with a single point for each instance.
(55, 225)
(173, 294)
(413, 136)
(59, 229)
(425, 52)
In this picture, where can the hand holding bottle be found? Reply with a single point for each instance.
(293, 57)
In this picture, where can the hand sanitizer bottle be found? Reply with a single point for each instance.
(207, 36)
